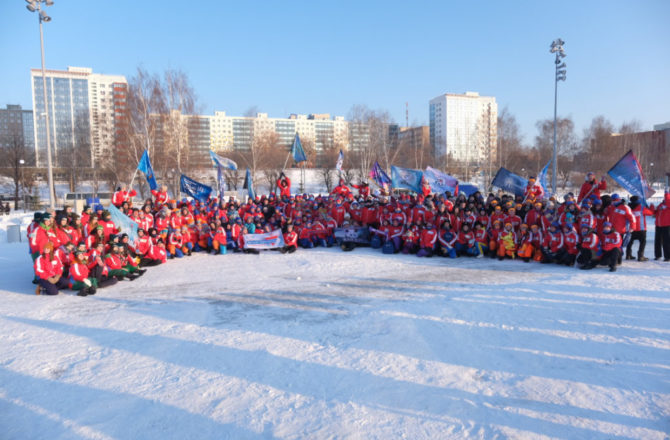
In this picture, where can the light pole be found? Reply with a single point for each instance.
(557, 48)
(36, 6)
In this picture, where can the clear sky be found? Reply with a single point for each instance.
(323, 57)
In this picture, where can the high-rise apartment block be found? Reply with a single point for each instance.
(464, 126)
(16, 126)
(86, 113)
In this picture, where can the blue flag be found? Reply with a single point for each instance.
(296, 150)
(249, 185)
(124, 223)
(195, 189)
(379, 176)
(467, 189)
(223, 162)
(628, 173)
(406, 178)
(440, 182)
(221, 181)
(145, 167)
(542, 178)
(510, 182)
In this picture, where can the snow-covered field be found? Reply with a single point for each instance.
(325, 344)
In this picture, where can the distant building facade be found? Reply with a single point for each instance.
(86, 113)
(464, 126)
(16, 125)
(229, 133)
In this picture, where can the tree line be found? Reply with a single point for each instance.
(162, 111)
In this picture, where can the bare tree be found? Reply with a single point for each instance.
(161, 115)
(509, 137)
(597, 145)
(11, 158)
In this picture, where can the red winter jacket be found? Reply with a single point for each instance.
(662, 212)
(622, 218)
(45, 268)
(590, 241)
(428, 238)
(611, 240)
(591, 188)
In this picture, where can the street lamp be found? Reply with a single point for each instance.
(557, 48)
(36, 6)
(21, 163)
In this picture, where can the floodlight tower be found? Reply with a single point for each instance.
(36, 6)
(560, 75)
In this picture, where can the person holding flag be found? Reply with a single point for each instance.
(122, 195)
(284, 185)
(534, 191)
(591, 187)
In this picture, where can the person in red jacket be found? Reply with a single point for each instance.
(533, 191)
(591, 187)
(622, 218)
(611, 241)
(115, 262)
(160, 196)
(122, 195)
(428, 238)
(466, 243)
(571, 239)
(284, 185)
(79, 279)
(290, 240)
(588, 248)
(662, 238)
(553, 248)
(49, 271)
(514, 219)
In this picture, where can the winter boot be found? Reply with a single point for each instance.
(38, 290)
(83, 292)
(92, 290)
(642, 258)
(613, 268)
(629, 256)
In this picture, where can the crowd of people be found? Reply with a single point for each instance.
(86, 251)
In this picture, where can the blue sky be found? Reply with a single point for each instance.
(324, 57)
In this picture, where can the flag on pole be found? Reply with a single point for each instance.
(145, 166)
(249, 185)
(340, 161)
(379, 176)
(406, 178)
(296, 150)
(221, 181)
(223, 162)
(542, 179)
(197, 190)
(507, 180)
(440, 182)
(628, 173)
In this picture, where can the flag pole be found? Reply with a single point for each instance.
(286, 161)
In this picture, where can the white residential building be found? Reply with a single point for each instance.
(237, 132)
(86, 111)
(464, 126)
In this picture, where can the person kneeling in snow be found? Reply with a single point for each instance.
(80, 279)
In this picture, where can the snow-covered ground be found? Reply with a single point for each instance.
(325, 344)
